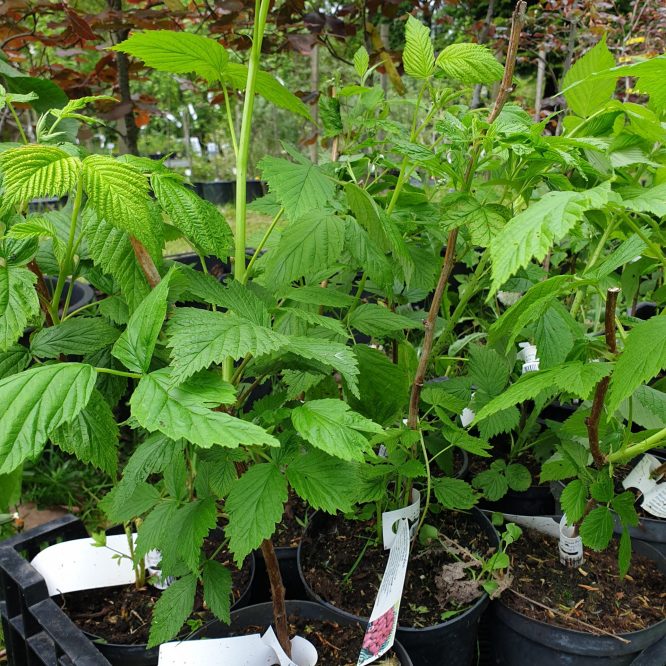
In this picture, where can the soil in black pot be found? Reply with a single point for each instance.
(289, 532)
(336, 644)
(593, 594)
(328, 555)
(123, 614)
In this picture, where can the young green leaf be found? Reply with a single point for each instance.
(15, 359)
(301, 186)
(123, 504)
(331, 426)
(378, 321)
(361, 61)
(92, 436)
(573, 500)
(596, 530)
(624, 553)
(646, 199)
(555, 334)
(585, 95)
(235, 74)
(312, 243)
(199, 220)
(172, 608)
(177, 52)
(575, 378)
(530, 307)
(78, 336)
(36, 402)
(518, 477)
(110, 249)
(644, 356)
(190, 526)
(135, 347)
(254, 505)
(183, 412)
(324, 482)
(532, 233)
(418, 56)
(624, 505)
(492, 482)
(470, 63)
(217, 586)
(199, 338)
(454, 494)
(36, 171)
(483, 221)
(118, 194)
(18, 302)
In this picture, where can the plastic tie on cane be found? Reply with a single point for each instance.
(528, 354)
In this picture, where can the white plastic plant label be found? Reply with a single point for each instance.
(390, 518)
(654, 493)
(79, 565)
(253, 650)
(467, 416)
(380, 632)
(153, 559)
(571, 545)
(528, 354)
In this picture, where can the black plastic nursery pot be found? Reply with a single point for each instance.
(37, 631)
(535, 501)
(288, 560)
(262, 615)
(450, 643)
(82, 293)
(518, 640)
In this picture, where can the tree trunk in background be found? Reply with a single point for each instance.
(483, 38)
(314, 87)
(540, 81)
(187, 143)
(384, 34)
(571, 47)
(128, 128)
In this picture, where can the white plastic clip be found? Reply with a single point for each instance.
(153, 559)
(654, 493)
(528, 354)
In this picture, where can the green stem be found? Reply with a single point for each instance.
(403, 166)
(262, 242)
(12, 110)
(655, 247)
(67, 261)
(580, 294)
(470, 290)
(357, 297)
(636, 449)
(246, 136)
(428, 484)
(232, 131)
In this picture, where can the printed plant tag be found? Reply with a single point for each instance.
(253, 650)
(390, 518)
(380, 632)
(654, 493)
(76, 565)
(467, 416)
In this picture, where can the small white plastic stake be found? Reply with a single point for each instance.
(467, 416)
(571, 545)
(528, 354)
(654, 493)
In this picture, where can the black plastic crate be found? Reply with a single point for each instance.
(36, 631)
